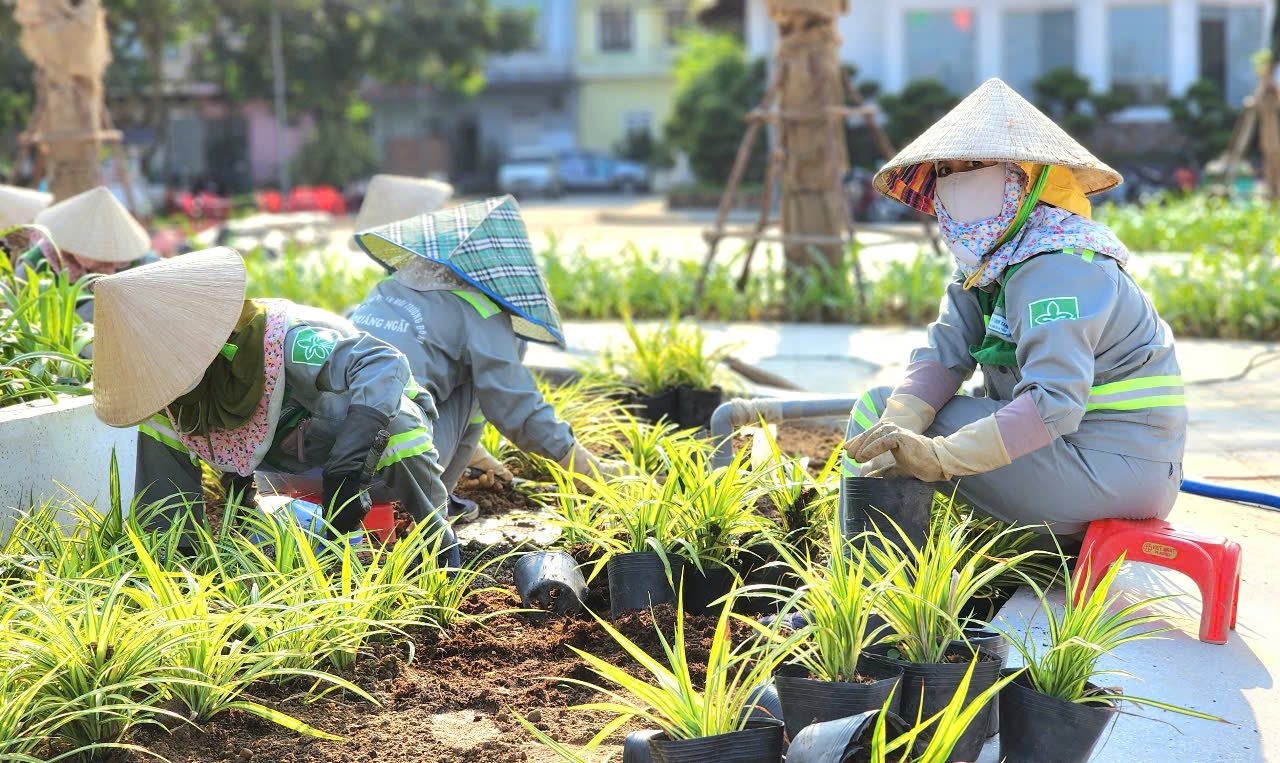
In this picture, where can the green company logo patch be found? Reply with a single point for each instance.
(1054, 309)
(311, 347)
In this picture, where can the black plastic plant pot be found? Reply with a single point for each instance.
(695, 406)
(639, 581)
(665, 404)
(842, 739)
(703, 588)
(764, 703)
(635, 749)
(871, 501)
(759, 742)
(927, 688)
(550, 581)
(981, 638)
(806, 700)
(1037, 728)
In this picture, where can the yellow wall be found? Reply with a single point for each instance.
(613, 83)
(603, 104)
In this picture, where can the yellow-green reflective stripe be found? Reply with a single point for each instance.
(478, 418)
(403, 437)
(1129, 385)
(1086, 255)
(391, 458)
(849, 467)
(863, 420)
(481, 303)
(1154, 401)
(161, 437)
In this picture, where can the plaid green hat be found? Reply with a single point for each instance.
(486, 244)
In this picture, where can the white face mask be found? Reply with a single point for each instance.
(973, 195)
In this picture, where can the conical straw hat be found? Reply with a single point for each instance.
(396, 197)
(158, 327)
(993, 123)
(19, 206)
(95, 226)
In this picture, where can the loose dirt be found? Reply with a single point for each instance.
(447, 696)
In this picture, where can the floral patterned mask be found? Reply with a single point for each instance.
(1047, 229)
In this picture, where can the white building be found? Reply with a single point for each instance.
(1152, 48)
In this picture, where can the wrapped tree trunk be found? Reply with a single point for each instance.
(67, 42)
(811, 129)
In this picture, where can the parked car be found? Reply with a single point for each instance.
(528, 176)
(587, 171)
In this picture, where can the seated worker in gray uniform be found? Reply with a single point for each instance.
(464, 293)
(261, 384)
(1083, 416)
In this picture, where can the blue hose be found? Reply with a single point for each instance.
(1223, 493)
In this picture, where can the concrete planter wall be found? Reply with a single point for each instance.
(43, 444)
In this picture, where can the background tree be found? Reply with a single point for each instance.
(1066, 97)
(716, 84)
(142, 33)
(17, 88)
(1203, 115)
(909, 113)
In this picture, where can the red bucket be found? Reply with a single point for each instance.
(381, 519)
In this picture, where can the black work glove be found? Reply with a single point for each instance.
(346, 501)
(242, 489)
(346, 498)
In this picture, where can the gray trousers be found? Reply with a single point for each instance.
(458, 427)
(164, 471)
(1062, 484)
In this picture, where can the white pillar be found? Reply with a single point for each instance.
(1092, 48)
(990, 44)
(1184, 45)
(895, 48)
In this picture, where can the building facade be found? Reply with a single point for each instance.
(624, 58)
(1152, 49)
(528, 106)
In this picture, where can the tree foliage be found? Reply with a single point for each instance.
(1203, 115)
(331, 47)
(909, 113)
(716, 85)
(1067, 98)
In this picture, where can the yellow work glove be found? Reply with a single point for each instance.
(579, 460)
(973, 449)
(908, 412)
(485, 462)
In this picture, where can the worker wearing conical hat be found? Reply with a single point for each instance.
(18, 210)
(1083, 416)
(94, 233)
(395, 197)
(255, 385)
(465, 294)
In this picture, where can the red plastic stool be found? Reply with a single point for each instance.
(381, 519)
(1212, 562)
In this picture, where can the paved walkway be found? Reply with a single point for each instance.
(1234, 433)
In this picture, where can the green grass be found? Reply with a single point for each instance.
(1185, 223)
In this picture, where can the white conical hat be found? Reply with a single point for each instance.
(158, 327)
(94, 225)
(994, 123)
(396, 197)
(19, 206)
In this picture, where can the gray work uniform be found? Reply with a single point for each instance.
(1101, 430)
(466, 358)
(328, 366)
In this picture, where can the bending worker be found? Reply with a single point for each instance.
(465, 293)
(262, 384)
(1083, 416)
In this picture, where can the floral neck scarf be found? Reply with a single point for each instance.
(1047, 229)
